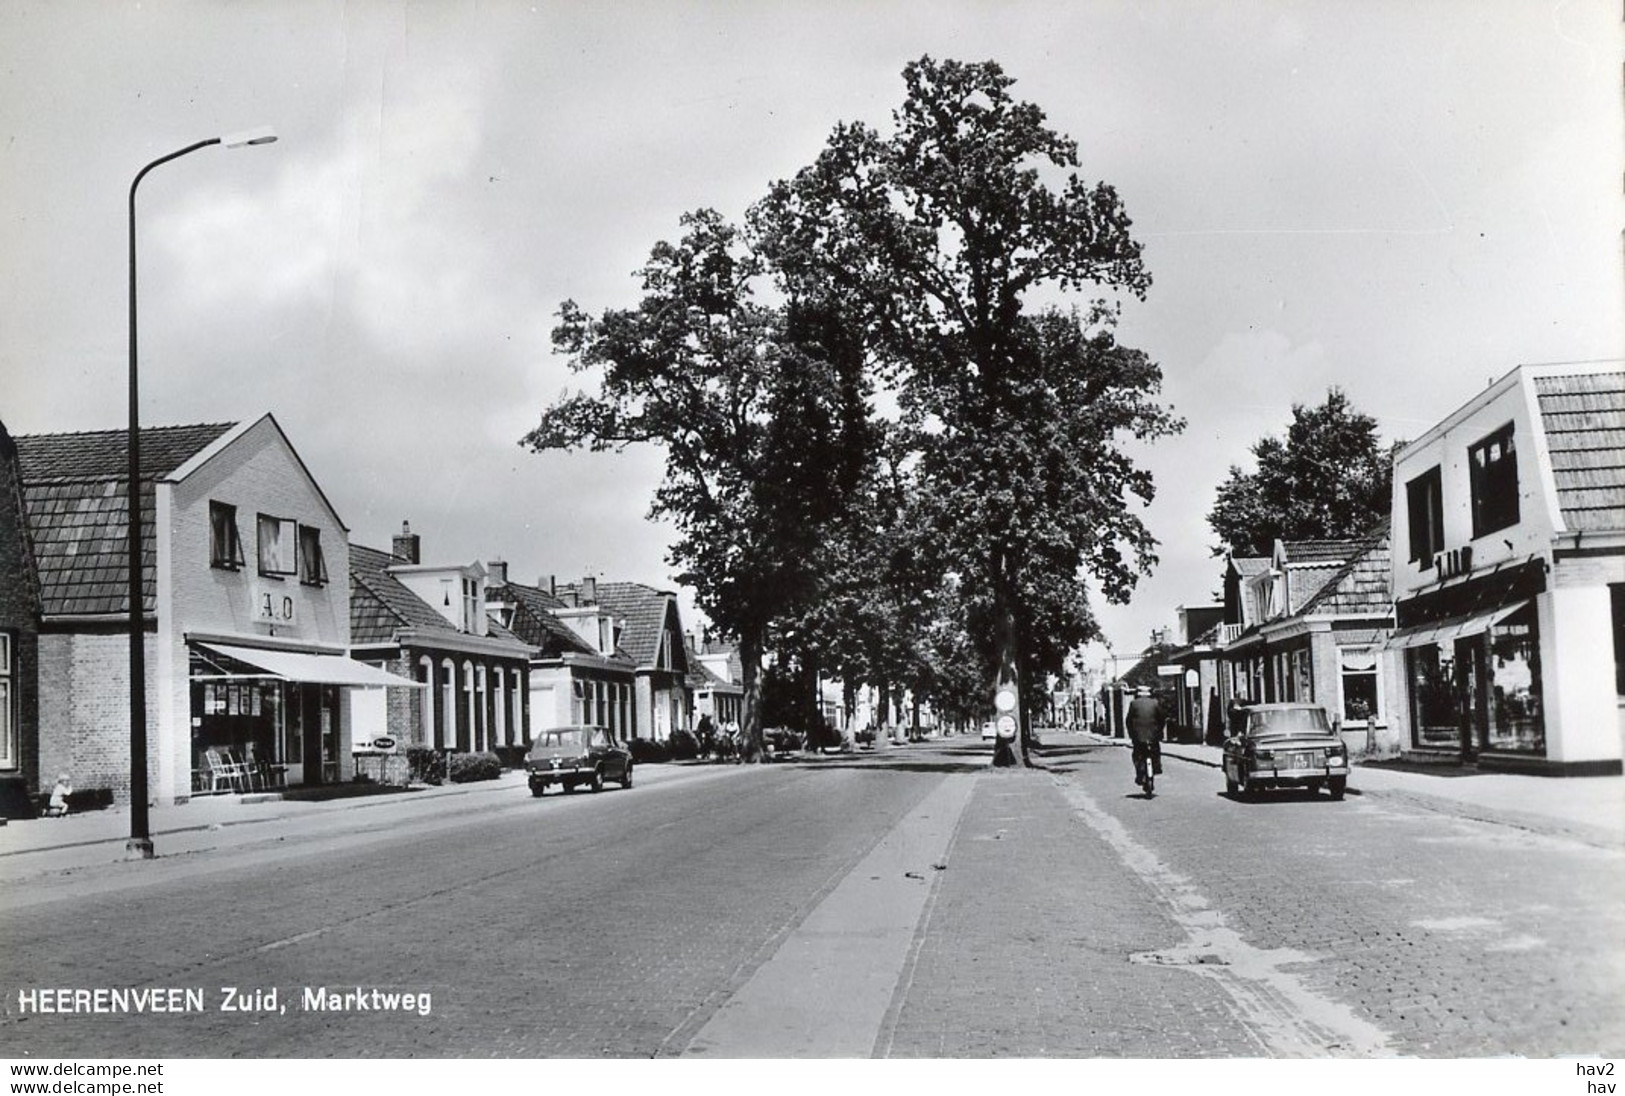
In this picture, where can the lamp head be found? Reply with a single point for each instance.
(262, 135)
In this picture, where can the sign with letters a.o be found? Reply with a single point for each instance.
(273, 606)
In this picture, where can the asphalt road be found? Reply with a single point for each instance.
(908, 903)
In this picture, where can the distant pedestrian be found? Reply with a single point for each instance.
(58, 806)
(1215, 719)
(1143, 722)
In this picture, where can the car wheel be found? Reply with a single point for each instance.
(1314, 787)
(626, 776)
(1339, 784)
(598, 779)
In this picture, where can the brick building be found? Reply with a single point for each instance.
(246, 636)
(20, 777)
(431, 623)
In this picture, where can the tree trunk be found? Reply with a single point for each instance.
(750, 731)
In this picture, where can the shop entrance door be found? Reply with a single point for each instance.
(1470, 705)
(308, 707)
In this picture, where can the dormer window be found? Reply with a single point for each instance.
(471, 605)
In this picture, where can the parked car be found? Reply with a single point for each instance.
(572, 756)
(1285, 746)
(989, 731)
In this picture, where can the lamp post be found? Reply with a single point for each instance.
(140, 842)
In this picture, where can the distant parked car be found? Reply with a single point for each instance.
(989, 732)
(573, 756)
(1285, 746)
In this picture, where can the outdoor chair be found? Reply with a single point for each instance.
(263, 773)
(224, 773)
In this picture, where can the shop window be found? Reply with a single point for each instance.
(312, 565)
(278, 541)
(225, 546)
(8, 704)
(1433, 696)
(1516, 720)
(1358, 673)
(1493, 468)
(1424, 499)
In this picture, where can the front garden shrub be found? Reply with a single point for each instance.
(468, 767)
(644, 750)
(425, 765)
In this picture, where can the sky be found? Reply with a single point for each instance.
(1402, 199)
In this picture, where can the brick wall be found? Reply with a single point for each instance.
(84, 703)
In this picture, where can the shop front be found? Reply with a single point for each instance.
(1472, 657)
(263, 718)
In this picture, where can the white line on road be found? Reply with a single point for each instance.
(1289, 1018)
(826, 990)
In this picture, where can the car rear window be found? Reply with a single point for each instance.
(553, 739)
(1286, 721)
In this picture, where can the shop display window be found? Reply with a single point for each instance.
(1433, 696)
(1516, 721)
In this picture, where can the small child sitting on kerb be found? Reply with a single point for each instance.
(59, 797)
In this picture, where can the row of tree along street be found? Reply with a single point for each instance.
(888, 454)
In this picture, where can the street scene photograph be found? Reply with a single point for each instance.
(1048, 539)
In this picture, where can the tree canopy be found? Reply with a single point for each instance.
(750, 411)
(942, 237)
(928, 269)
(1329, 478)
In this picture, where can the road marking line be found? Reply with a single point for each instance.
(826, 991)
(273, 945)
(1289, 1018)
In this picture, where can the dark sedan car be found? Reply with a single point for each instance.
(572, 756)
(1285, 746)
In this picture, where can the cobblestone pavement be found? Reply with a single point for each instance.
(574, 925)
(1292, 925)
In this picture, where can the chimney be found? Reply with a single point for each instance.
(689, 636)
(589, 591)
(408, 546)
(546, 583)
(497, 572)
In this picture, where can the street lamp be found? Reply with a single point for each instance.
(140, 842)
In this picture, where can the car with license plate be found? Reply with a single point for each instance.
(574, 756)
(1284, 746)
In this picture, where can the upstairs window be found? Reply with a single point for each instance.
(312, 565)
(1493, 464)
(1424, 503)
(471, 605)
(279, 541)
(225, 546)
